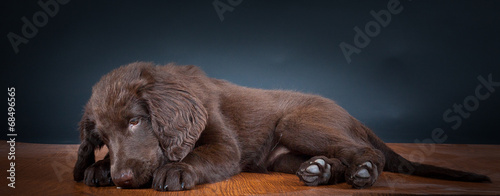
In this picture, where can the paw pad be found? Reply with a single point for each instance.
(320, 161)
(363, 173)
(314, 173)
(314, 169)
(367, 164)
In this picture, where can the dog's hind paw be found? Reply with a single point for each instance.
(318, 171)
(363, 175)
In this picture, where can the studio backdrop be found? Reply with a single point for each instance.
(413, 71)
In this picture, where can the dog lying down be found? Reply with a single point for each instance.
(172, 127)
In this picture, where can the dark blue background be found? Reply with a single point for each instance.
(425, 60)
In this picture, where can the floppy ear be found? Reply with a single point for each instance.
(90, 141)
(177, 116)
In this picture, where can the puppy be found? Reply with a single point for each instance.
(172, 127)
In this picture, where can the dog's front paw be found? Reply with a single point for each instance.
(174, 177)
(98, 174)
(363, 175)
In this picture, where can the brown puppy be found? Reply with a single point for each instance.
(172, 127)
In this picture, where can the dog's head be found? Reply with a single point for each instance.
(146, 116)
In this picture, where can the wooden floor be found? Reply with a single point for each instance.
(45, 169)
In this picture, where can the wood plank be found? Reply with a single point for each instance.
(46, 169)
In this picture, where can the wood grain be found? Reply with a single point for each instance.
(46, 169)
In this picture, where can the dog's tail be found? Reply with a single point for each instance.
(398, 164)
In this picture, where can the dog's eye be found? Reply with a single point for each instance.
(134, 121)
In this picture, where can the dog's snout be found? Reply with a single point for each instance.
(123, 178)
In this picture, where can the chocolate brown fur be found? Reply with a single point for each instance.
(172, 127)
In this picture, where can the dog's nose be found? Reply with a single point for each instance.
(124, 178)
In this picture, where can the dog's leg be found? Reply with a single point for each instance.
(346, 151)
(85, 159)
(365, 165)
(215, 159)
(206, 164)
(287, 162)
(313, 171)
(99, 174)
